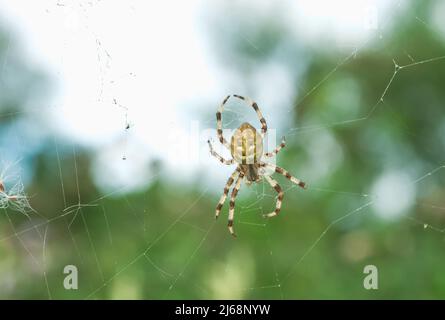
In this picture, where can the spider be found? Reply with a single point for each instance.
(246, 148)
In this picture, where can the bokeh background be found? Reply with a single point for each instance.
(105, 109)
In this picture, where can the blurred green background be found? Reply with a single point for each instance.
(368, 201)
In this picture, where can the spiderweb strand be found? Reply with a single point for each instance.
(397, 69)
(145, 252)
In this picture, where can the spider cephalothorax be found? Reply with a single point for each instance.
(246, 148)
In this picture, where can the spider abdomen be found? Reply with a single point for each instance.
(246, 145)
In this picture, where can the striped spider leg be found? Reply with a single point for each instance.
(277, 187)
(274, 184)
(217, 156)
(284, 173)
(232, 203)
(277, 149)
(249, 101)
(229, 183)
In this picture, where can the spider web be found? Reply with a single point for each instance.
(36, 233)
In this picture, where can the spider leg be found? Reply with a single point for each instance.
(219, 129)
(258, 112)
(217, 156)
(277, 149)
(232, 178)
(285, 173)
(280, 192)
(232, 203)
